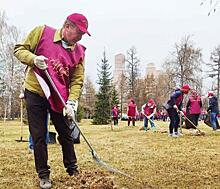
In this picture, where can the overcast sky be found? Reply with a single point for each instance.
(152, 26)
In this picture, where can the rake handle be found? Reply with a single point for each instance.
(54, 87)
(149, 119)
(191, 123)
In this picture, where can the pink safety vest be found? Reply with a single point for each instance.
(115, 112)
(61, 63)
(131, 109)
(194, 105)
(148, 110)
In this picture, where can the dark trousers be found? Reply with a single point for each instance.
(115, 119)
(195, 118)
(174, 120)
(131, 119)
(37, 108)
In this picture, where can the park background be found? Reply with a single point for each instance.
(179, 37)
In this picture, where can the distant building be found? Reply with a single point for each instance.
(151, 70)
(119, 68)
(117, 73)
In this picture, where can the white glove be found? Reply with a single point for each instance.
(73, 103)
(21, 95)
(39, 61)
(175, 106)
(70, 109)
(69, 112)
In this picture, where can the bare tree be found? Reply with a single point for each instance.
(88, 98)
(140, 93)
(122, 92)
(132, 69)
(12, 73)
(214, 65)
(164, 86)
(185, 64)
(213, 4)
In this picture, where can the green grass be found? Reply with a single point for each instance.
(153, 159)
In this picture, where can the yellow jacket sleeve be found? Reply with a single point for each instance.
(76, 82)
(24, 51)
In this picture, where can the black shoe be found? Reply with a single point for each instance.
(73, 172)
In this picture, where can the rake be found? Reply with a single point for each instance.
(150, 120)
(199, 131)
(74, 124)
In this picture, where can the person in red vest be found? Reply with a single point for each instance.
(115, 114)
(58, 52)
(194, 106)
(148, 110)
(132, 112)
(173, 106)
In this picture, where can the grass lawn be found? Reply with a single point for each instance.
(153, 159)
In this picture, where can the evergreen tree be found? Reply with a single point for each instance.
(114, 97)
(79, 113)
(102, 113)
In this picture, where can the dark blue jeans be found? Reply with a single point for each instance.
(214, 120)
(146, 122)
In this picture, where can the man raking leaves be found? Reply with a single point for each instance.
(59, 52)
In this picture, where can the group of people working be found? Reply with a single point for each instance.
(175, 110)
(57, 53)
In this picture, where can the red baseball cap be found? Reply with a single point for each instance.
(80, 21)
(132, 100)
(151, 102)
(210, 93)
(186, 87)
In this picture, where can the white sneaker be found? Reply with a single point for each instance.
(45, 183)
(175, 135)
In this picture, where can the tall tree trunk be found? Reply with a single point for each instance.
(218, 82)
(9, 106)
